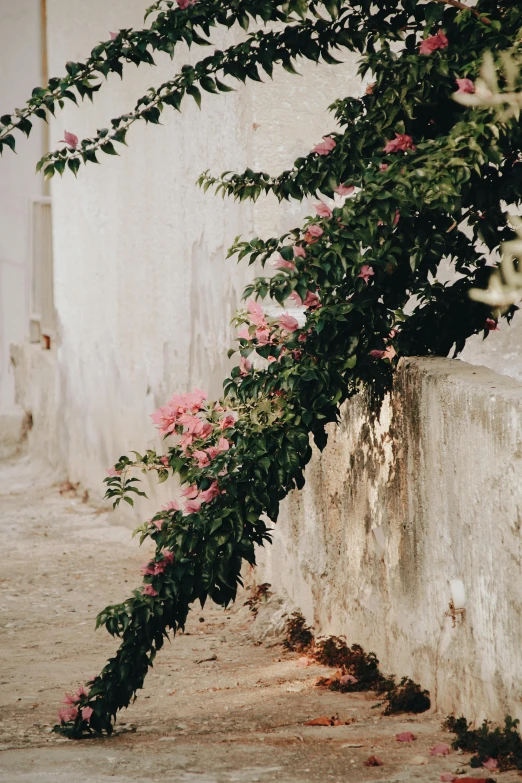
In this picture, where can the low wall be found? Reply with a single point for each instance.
(393, 511)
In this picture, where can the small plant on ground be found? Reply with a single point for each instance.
(299, 636)
(503, 745)
(259, 594)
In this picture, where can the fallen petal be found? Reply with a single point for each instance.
(447, 777)
(490, 764)
(418, 761)
(373, 761)
(405, 736)
(322, 721)
(440, 750)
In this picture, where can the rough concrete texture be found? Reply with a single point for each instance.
(13, 427)
(395, 509)
(216, 707)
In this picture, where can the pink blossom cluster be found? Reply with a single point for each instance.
(196, 497)
(157, 567)
(433, 42)
(401, 142)
(325, 146)
(311, 300)
(70, 711)
(185, 3)
(180, 411)
(465, 85)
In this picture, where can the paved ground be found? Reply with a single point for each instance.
(237, 718)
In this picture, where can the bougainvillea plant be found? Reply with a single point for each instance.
(407, 178)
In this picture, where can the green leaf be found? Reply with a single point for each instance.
(108, 148)
(74, 165)
(195, 93)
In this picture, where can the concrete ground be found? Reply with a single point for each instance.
(216, 708)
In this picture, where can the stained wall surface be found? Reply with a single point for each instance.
(396, 509)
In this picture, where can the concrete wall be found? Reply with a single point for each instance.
(20, 71)
(439, 477)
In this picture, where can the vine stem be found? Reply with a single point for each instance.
(464, 7)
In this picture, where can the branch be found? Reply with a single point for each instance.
(464, 7)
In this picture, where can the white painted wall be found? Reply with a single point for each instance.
(20, 71)
(143, 290)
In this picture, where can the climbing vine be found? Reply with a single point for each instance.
(407, 178)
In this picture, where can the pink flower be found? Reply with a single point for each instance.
(172, 505)
(299, 251)
(86, 713)
(344, 190)
(271, 359)
(70, 139)
(447, 777)
(297, 299)
(383, 166)
(366, 272)
(288, 323)
(164, 460)
(168, 558)
(112, 472)
(440, 750)
(376, 354)
(491, 325)
(227, 421)
(348, 679)
(434, 42)
(405, 736)
(202, 458)
(70, 699)
(401, 142)
(223, 444)
(465, 85)
(393, 333)
(190, 492)
(165, 419)
(390, 353)
(244, 366)
(280, 263)
(243, 333)
(313, 232)
(149, 590)
(185, 3)
(113, 36)
(192, 506)
(256, 313)
(149, 569)
(263, 336)
(490, 764)
(297, 355)
(67, 713)
(325, 146)
(209, 494)
(397, 217)
(311, 300)
(323, 210)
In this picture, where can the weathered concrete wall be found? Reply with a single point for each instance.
(143, 290)
(439, 477)
(20, 71)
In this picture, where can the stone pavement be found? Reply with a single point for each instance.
(217, 708)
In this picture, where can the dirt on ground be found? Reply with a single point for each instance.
(216, 708)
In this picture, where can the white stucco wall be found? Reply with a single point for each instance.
(143, 290)
(20, 71)
(438, 477)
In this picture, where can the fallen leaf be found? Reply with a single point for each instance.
(440, 750)
(351, 745)
(405, 736)
(490, 764)
(373, 761)
(323, 721)
(418, 761)
(447, 777)
(172, 693)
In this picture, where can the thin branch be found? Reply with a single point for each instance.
(464, 7)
